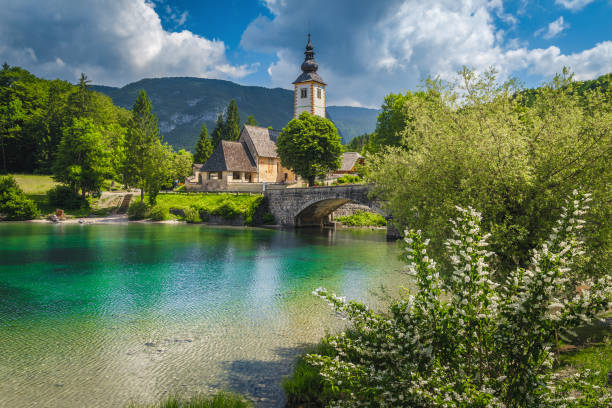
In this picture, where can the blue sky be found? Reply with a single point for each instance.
(365, 48)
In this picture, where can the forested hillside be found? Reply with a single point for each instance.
(184, 104)
(34, 112)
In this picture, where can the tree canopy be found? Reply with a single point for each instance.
(310, 146)
(84, 158)
(34, 113)
(510, 153)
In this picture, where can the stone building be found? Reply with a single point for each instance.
(245, 165)
(251, 160)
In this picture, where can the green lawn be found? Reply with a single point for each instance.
(227, 205)
(363, 219)
(34, 183)
(593, 352)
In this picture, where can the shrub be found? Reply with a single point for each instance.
(465, 341)
(160, 213)
(192, 215)
(14, 205)
(348, 179)
(227, 210)
(268, 218)
(138, 210)
(63, 196)
(363, 219)
(304, 386)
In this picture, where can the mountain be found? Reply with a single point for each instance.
(183, 104)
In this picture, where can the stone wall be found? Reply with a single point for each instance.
(350, 209)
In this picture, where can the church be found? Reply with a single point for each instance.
(252, 161)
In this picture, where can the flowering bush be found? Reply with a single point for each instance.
(466, 341)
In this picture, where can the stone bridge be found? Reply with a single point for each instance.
(312, 206)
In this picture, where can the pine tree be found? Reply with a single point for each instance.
(231, 127)
(217, 134)
(204, 147)
(142, 142)
(250, 120)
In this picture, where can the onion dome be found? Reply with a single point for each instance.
(309, 66)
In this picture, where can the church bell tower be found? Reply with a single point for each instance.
(309, 91)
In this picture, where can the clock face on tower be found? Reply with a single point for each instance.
(309, 91)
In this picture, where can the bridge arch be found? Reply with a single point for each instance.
(317, 211)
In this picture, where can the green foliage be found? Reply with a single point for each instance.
(512, 154)
(160, 213)
(149, 164)
(14, 205)
(231, 126)
(65, 197)
(393, 119)
(359, 143)
(250, 120)
(35, 112)
(192, 215)
(138, 210)
(83, 160)
(217, 134)
(228, 206)
(268, 218)
(305, 386)
(363, 219)
(310, 146)
(182, 165)
(348, 179)
(465, 341)
(204, 147)
(220, 400)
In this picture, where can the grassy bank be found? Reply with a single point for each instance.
(196, 205)
(363, 219)
(222, 400)
(35, 184)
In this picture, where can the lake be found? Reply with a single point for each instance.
(97, 315)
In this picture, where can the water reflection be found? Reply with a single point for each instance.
(98, 314)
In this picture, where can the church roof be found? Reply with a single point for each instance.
(309, 76)
(230, 156)
(263, 140)
(349, 159)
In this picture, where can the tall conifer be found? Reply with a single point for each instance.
(142, 141)
(231, 127)
(217, 134)
(204, 146)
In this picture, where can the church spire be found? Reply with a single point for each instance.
(309, 66)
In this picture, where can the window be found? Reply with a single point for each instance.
(236, 175)
(319, 93)
(304, 93)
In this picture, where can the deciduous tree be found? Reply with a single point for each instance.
(310, 146)
(83, 159)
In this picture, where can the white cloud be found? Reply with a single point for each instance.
(113, 42)
(367, 49)
(573, 5)
(553, 29)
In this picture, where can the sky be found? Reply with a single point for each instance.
(366, 49)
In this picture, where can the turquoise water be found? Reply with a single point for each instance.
(96, 315)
